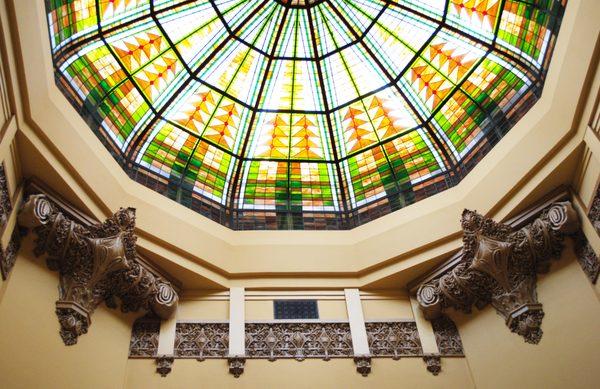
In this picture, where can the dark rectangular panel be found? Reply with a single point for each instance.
(296, 309)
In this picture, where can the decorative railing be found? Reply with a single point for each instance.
(201, 340)
(8, 255)
(447, 337)
(294, 339)
(298, 340)
(394, 339)
(144, 338)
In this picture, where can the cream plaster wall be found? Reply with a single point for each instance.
(586, 179)
(566, 357)
(495, 358)
(32, 353)
(217, 310)
(586, 188)
(308, 374)
(211, 307)
(332, 310)
(259, 310)
(387, 309)
(570, 348)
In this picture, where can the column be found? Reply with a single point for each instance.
(166, 345)
(360, 342)
(431, 353)
(237, 336)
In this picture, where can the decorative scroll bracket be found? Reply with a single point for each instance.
(500, 266)
(96, 263)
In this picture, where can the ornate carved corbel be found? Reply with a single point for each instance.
(363, 364)
(164, 364)
(96, 263)
(500, 266)
(433, 363)
(236, 365)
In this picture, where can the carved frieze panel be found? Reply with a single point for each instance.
(96, 263)
(8, 257)
(587, 258)
(447, 337)
(201, 340)
(594, 213)
(5, 203)
(393, 339)
(144, 338)
(499, 266)
(298, 340)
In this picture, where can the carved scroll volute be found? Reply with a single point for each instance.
(500, 266)
(96, 263)
(36, 212)
(164, 302)
(429, 298)
(564, 218)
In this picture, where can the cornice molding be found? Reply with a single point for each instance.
(499, 266)
(96, 263)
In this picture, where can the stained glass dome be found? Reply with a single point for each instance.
(301, 114)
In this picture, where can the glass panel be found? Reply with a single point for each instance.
(301, 114)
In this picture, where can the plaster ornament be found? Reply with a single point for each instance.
(499, 266)
(96, 263)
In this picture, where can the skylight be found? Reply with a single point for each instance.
(301, 114)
